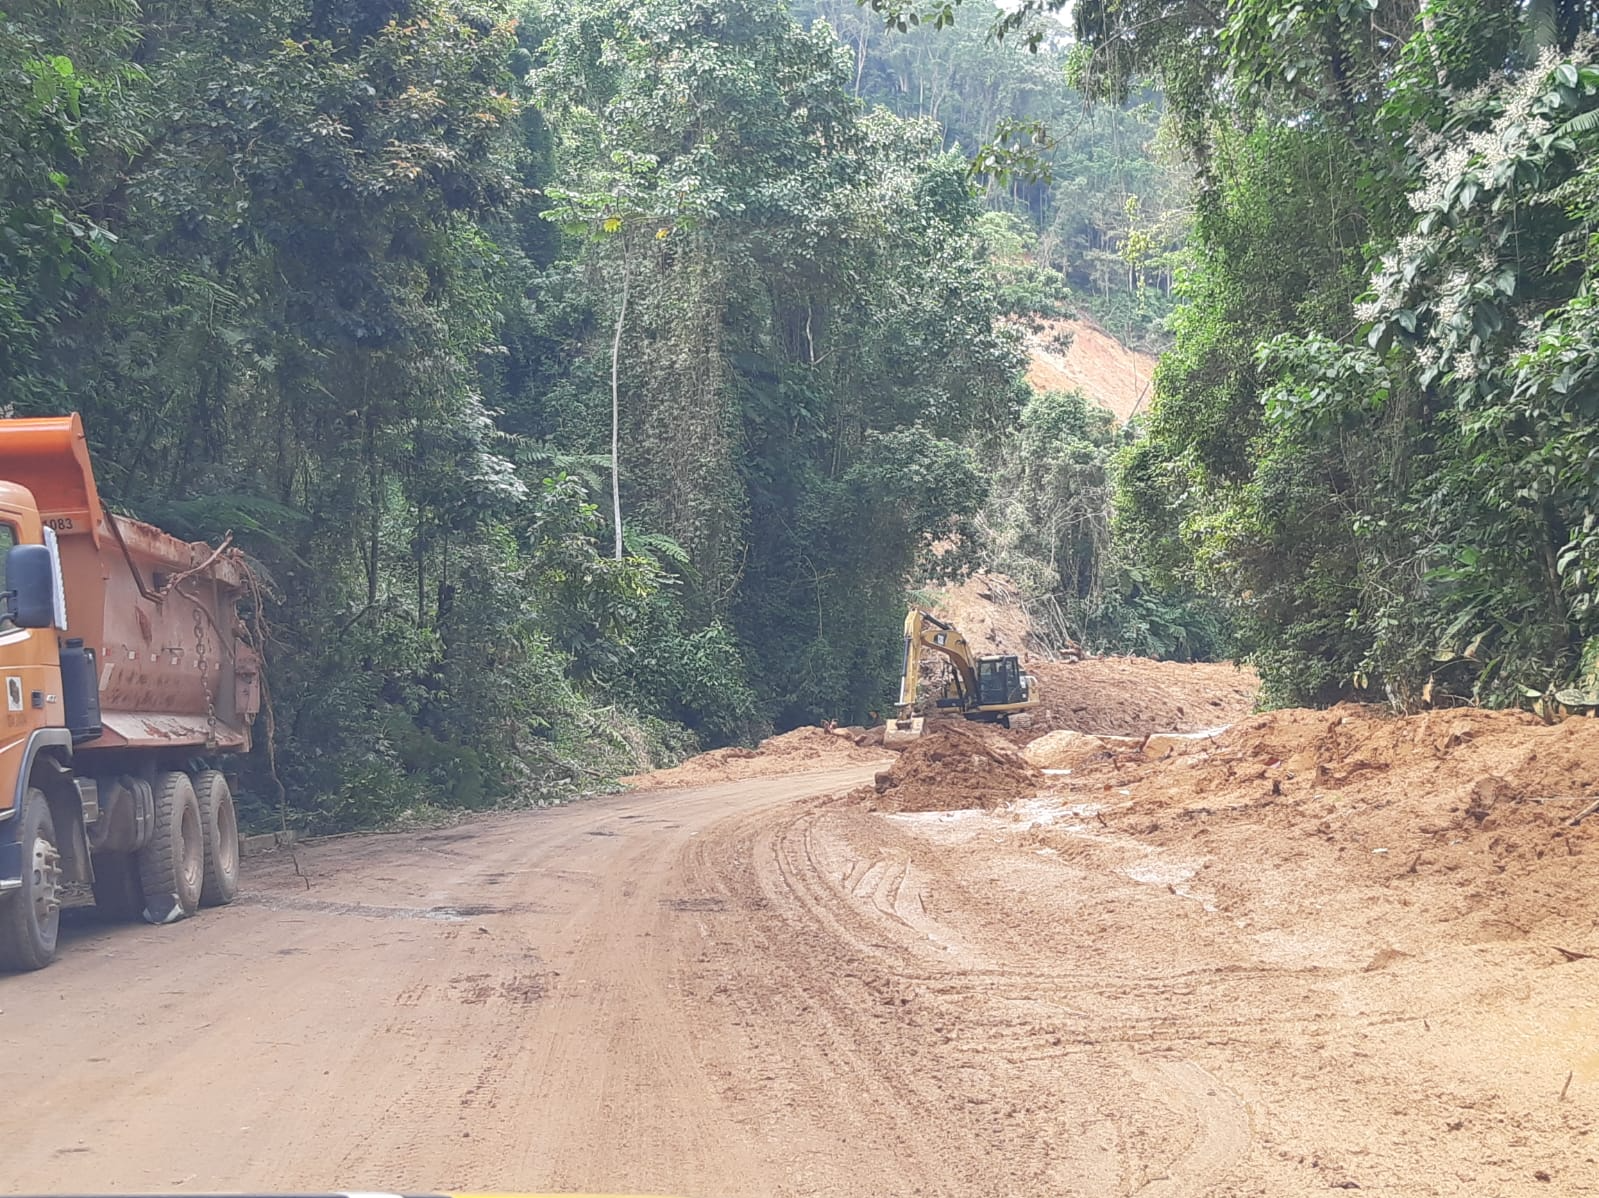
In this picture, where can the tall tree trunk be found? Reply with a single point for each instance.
(616, 403)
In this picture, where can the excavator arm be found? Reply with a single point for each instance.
(925, 630)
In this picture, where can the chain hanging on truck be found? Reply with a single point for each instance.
(200, 661)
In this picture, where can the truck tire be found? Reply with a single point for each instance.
(117, 892)
(30, 916)
(221, 839)
(172, 864)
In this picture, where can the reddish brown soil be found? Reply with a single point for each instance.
(1476, 800)
(1065, 749)
(1132, 696)
(801, 751)
(1463, 759)
(1101, 367)
(985, 609)
(954, 765)
(1374, 938)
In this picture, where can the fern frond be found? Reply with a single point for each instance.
(1583, 122)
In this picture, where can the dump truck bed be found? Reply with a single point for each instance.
(159, 613)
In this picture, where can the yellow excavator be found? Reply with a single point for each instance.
(990, 688)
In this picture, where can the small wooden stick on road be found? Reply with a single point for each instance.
(1583, 814)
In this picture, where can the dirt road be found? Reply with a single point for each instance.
(740, 990)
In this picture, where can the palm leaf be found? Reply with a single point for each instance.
(660, 549)
(210, 517)
(1542, 28)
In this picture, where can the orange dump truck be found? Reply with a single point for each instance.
(125, 678)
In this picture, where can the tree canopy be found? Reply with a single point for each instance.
(348, 281)
(590, 381)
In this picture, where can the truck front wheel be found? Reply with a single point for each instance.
(172, 864)
(30, 916)
(221, 827)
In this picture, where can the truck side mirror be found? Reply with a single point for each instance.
(31, 577)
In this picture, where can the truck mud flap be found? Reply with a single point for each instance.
(163, 910)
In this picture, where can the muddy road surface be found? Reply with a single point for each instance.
(748, 989)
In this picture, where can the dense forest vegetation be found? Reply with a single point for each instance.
(1098, 194)
(1375, 438)
(387, 287)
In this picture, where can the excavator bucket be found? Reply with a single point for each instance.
(902, 732)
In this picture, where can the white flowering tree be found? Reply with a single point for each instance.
(1468, 405)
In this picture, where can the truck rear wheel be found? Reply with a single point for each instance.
(117, 891)
(30, 916)
(172, 864)
(221, 827)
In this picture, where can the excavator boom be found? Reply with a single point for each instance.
(983, 688)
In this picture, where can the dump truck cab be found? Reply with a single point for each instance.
(30, 613)
(124, 673)
(31, 723)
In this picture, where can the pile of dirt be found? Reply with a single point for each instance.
(1404, 824)
(955, 765)
(1095, 363)
(1466, 758)
(1132, 696)
(1415, 784)
(796, 752)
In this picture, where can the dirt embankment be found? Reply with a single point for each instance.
(1132, 696)
(1095, 363)
(801, 751)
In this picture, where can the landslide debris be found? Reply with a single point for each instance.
(1477, 793)
(800, 751)
(1467, 758)
(1352, 836)
(955, 765)
(1133, 696)
(1115, 696)
(988, 611)
(1095, 363)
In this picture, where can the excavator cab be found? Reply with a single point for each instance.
(1000, 681)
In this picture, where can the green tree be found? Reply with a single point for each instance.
(811, 301)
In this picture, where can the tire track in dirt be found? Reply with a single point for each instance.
(345, 1036)
(948, 1120)
(744, 990)
(1221, 1129)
